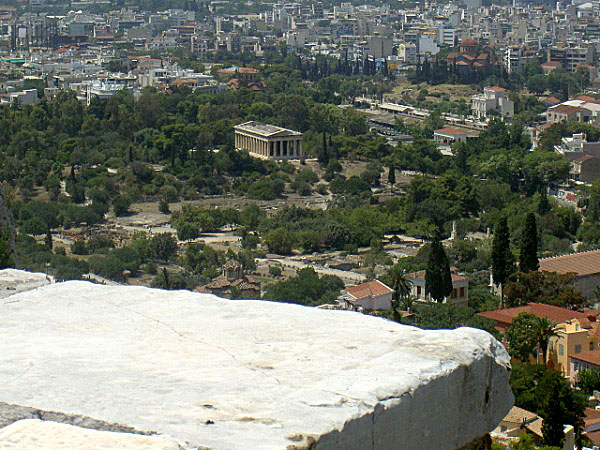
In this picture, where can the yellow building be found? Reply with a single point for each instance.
(576, 331)
(572, 337)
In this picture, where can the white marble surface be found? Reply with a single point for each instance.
(34, 434)
(247, 374)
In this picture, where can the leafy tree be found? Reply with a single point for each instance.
(527, 335)
(448, 316)
(279, 241)
(543, 287)
(438, 279)
(121, 205)
(305, 288)
(164, 246)
(588, 380)
(401, 287)
(521, 337)
(163, 206)
(546, 392)
(528, 260)
(502, 258)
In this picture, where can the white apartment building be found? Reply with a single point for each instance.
(493, 98)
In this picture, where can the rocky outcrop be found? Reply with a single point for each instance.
(224, 374)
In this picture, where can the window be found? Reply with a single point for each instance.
(418, 291)
(462, 292)
(591, 346)
(578, 348)
(561, 349)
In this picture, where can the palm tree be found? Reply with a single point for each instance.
(544, 330)
(401, 287)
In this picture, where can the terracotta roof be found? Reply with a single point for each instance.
(496, 89)
(593, 437)
(567, 109)
(462, 63)
(584, 158)
(552, 101)
(369, 289)
(420, 276)
(592, 357)
(469, 57)
(582, 264)
(520, 416)
(592, 416)
(588, 99)
(516, 415)
(468, 42)
(551, 64)
(553, 313)
(450, 131)
(478, 64)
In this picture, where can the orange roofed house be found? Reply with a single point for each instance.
(576, 332)
(585, 266)
(373, 296)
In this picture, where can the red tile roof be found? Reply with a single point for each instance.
(369, 289)
(551, 64)
(450, 131)
(567, 109)
(468, 42)
(553, 313)
(592, 357)
(496, 89)
(420, 276)
(582, 264)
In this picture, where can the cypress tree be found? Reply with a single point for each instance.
(48, 239)
(392, 175)
(544, 204)
(552, 427)
(438, 279)
(502, 258)
(528, 260)
(323, 156)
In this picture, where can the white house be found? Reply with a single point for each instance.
(493, 98)
(373, 295)
(460, 288)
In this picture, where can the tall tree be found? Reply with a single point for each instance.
(392, 175)
(323, 155)
(528, 260)
(438, 279)
(6, 249)
(521, 337)
(502, 258)
(544, 330)
(553, 425)
(401, 287)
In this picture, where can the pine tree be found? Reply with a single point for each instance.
(552, 427)
(528, 260)
(392, 175)
(502, 258)
(438, 279)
